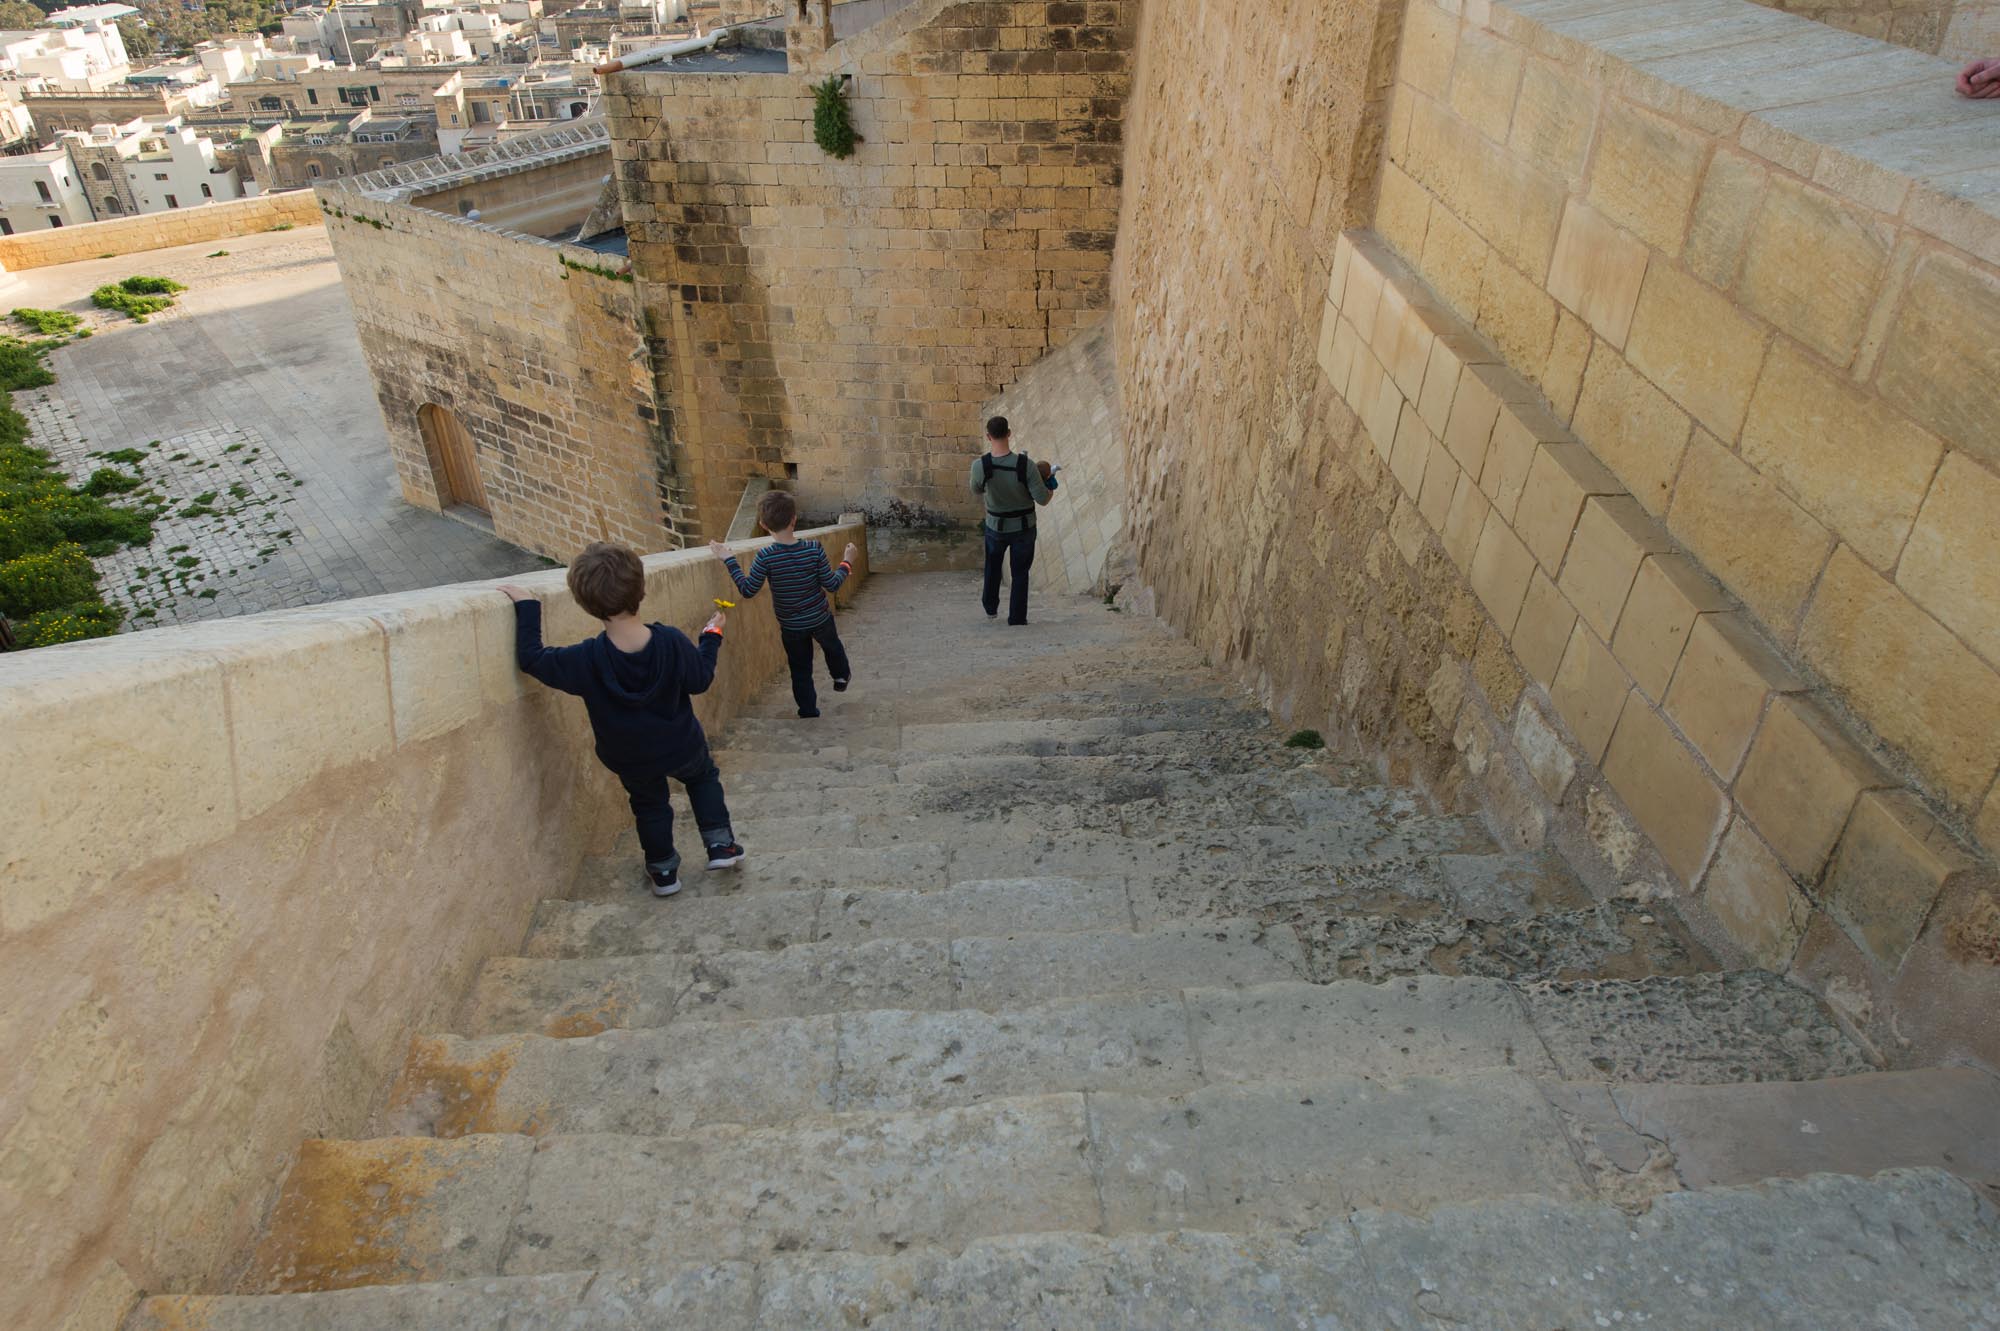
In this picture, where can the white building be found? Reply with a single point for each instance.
(40, 190)
(148, 166)
(84, 57)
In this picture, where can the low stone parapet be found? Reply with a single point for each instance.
(241, 863)
(158, 231)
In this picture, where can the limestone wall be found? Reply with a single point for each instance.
(1961, 31)
(1769, 306)
(1649, 506)
(846, 320)
(157, 231)
(537, 352)
(1064, 411)
(547, 201)
(243, 862)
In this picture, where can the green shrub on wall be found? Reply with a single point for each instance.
(833, 122)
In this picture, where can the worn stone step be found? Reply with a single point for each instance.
(1056, 783)
(880, 701)
(929, 850)
(1644, 1139)
(1708, 1028)
(573, 997)
(1025, 726)
(1914, 1248)
(915, 866)
(774, 1071)
(1227, 1158)
(1620, 940)
(738, 921)
(1207, 750)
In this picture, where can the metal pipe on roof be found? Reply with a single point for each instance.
(667, 52)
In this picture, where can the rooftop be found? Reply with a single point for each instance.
(78, 15)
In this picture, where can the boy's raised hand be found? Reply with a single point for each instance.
(715, 622)
(513, 593)
(718, 549)
(847, 555)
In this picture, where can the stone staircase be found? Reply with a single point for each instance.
(1057, 992)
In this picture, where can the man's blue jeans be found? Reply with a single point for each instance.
(1017, 549)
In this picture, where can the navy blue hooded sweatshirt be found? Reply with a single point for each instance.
(638, 701)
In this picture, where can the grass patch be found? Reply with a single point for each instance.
(49, 323)
(21, 367)
(139, 298)
(1305, 739)
(109, 481)
(220, 254)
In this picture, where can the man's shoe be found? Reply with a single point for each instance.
(665, 884)
(808, 713)
(840, 686)
(725, 857)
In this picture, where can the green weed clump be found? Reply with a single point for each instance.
(49, 531)
(49, 323)
(137, 297)
(1305, 739)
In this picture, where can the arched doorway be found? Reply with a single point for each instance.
(454, 460)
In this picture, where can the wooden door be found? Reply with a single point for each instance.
(456, 458)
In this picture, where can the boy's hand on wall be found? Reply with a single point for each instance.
(718, 549)
(513, 593)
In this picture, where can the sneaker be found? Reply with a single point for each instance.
(665, 884)
(840, 685)
(725, 857)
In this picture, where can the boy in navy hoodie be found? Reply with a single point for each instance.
(636, 681)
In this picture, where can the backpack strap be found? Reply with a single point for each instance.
(1020, 470)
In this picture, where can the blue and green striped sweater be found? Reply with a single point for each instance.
(800, 578)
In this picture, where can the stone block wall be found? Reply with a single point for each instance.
(1961, 31)
(841, 323)
(1749, 323)
(1653, 569)
(244, 862)
(536, 349)
(157, 231)
(1064, 411)
(1783, 347)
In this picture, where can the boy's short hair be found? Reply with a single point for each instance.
(997, 427)
(607, 580)
(777, 510)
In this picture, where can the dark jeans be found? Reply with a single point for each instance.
(1018, 549)
(799, 655)
(655, 816)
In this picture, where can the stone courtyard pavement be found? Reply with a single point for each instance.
(256, 420)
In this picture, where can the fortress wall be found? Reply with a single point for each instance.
(842, 323)
(1961, 31)
(1623, 473)
(244, 861)
(535, 348)
(157, 231)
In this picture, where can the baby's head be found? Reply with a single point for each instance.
(777, 511)
(607, 580)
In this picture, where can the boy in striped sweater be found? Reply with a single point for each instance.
(800, 578)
